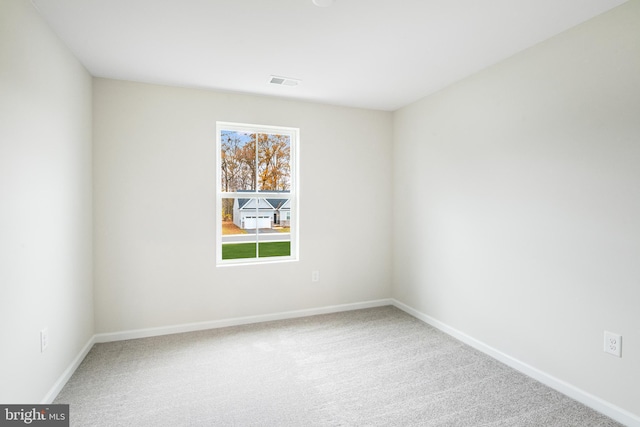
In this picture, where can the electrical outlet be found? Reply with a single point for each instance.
(315, 276)
(44, 340)
(613, 343)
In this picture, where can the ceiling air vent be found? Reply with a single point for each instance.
(284, 81)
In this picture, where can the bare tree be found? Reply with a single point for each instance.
(274, 160)
(243, 167)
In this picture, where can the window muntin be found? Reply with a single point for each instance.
(257, 194)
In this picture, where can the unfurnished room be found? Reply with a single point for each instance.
(320, 213)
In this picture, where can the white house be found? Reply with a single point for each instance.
(250, 214)
(282, 214)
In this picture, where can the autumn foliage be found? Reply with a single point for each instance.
(253, 162)
(246, 167)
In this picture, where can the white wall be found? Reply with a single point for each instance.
(45, 205)
(526, 178)
(154, 186)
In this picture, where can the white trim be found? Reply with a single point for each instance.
(236, 321)
(588, 399)
(66, 375)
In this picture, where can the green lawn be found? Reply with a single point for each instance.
(248, 250)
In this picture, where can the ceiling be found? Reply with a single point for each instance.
(378, 54)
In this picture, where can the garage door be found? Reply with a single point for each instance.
(263, 222)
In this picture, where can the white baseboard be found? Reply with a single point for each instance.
(594, 402)
(236, 321)
(600, 405)
(53, 392)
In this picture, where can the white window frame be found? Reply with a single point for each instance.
(293, 195)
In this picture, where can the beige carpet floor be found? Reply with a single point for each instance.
(373, 367)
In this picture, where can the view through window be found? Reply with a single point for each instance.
(256, 197)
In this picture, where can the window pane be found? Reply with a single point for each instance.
(269, 249)
(251, 220)
(238, 250)
(275, 237)
(237, 242)
(274, 162)
(237, 161)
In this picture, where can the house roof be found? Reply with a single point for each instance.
(278, 203)
(273, 203)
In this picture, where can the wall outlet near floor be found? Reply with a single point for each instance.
(44, 340)
(613, 343)
(315, 276)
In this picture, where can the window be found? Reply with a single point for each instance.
(257, 199)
